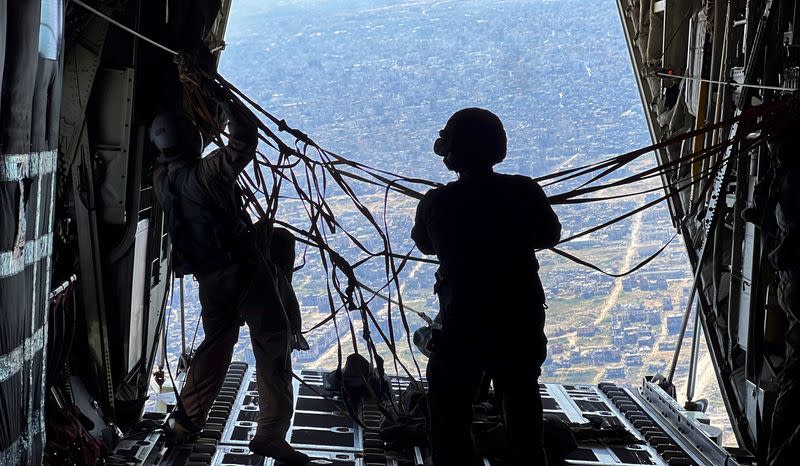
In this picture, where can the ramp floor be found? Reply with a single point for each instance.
(322, 430)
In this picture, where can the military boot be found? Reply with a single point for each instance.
(278, 449)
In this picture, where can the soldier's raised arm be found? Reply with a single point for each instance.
(227, 162)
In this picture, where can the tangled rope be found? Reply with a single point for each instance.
(310, 172)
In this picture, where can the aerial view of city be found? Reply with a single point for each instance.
(374, 81)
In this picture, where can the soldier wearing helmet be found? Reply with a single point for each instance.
(485, 228)
(214, 239)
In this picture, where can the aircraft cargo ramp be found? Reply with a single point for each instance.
(665, 434)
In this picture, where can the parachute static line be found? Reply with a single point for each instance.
(317, 209)
(709, 178)
(312, 196)
(312, 202)
(317, 202)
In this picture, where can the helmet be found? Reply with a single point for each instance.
(473, 139)
(176, 136)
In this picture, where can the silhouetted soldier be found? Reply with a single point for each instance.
(484, 228)
(214, 239)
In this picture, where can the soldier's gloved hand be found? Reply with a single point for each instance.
(241, 121)
(228, 108)
(235, 110)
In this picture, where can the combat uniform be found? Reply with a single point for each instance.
(484, 228)
(216, 242)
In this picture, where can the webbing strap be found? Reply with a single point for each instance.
(311, 171)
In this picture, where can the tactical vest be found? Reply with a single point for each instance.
(205, 237)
